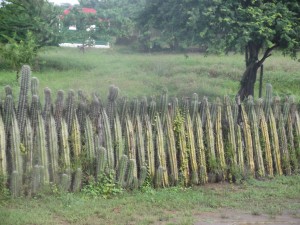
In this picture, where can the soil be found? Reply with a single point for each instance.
(229, 216)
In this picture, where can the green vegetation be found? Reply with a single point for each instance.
(167, 206)
(139, 74)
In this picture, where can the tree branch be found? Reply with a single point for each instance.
(266, 55)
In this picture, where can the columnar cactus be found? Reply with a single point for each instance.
(219, 141)
(64, 148)
(59, 107)
(152, 110)
(149, 147)
(111, 104)
(200, 149)
(52, 145)
(70, 109)
(118, 140)
(142, 175)
(265, 140)
(163, 108)
(23, 98)
(284, 152)
(77, 180)
(134, 111)
(89, 144)
(274, 143)
(3, 159)
(248, 142)
(15, 184)
(171, 151)
(122, 169)
(258, 158)
(140, 145)
(75, 140)
(160, 147)
(268, 100)
(182, 148)
(230, 135)
(132, 173)
(101, 160)
(194, 107)
(190, 140)
(34, 86)
(209, 139)
(108, 140)
(159, 181)
(143, 108)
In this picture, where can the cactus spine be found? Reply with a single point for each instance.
(219, 140)
(259, 163)
(171, 151)
(140, 145)
(3, 159)
(192, 150)
(23, 98)
(266, 146)
(248, 142)
(149, 145)
(200, 150)
(161, 155)
(121, 173)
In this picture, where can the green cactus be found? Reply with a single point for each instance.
(140, 145)
(274, 143)
(36, 179)
(159, 181)
(142, 175)
(101, 161)
(131, 175)
(143, 108)
(284, 152)
(134, 111)
(65, 182)
(75, 140)
(122, 169)
(64, 148)
(59, 107)
(23, 98)
(171, 151)
(111, 104)
(89, 139)
(163, 108)
(15, 184)
(8, 110)
(194, 107)
(219, 140)
(268, 101)
(200, 149)
(123, 110)
(70, 110)
(77, 180)
(152, 110)
(160, 147)
(230, 134)
(118, 140)
(248, 142)
(108, 140)
(52, 144)
(258, 158)
(130, 139)
(265, 138)
(149, 147)
(180, 136)
(3, 159)
(34, 86)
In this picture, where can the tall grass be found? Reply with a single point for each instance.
(138, 74)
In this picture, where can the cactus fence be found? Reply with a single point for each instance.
(167, 141)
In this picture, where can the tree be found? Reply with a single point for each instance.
(40, 17)
(253, 27)
(169, 23)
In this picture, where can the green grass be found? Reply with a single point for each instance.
(165, 206)
(140, 74)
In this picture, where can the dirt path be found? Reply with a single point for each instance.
(229, 216)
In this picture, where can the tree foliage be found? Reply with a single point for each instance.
(255, 27)
(40, 17)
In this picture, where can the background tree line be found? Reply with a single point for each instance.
(253, 27)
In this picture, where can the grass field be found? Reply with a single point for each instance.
(274, 201)
(140, 74)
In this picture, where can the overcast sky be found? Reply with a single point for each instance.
(64, 1)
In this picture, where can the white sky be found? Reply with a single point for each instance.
(64, 1)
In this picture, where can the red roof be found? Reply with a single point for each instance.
(84, 10)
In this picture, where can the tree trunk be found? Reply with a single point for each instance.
(252, 65)
(249, 76)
